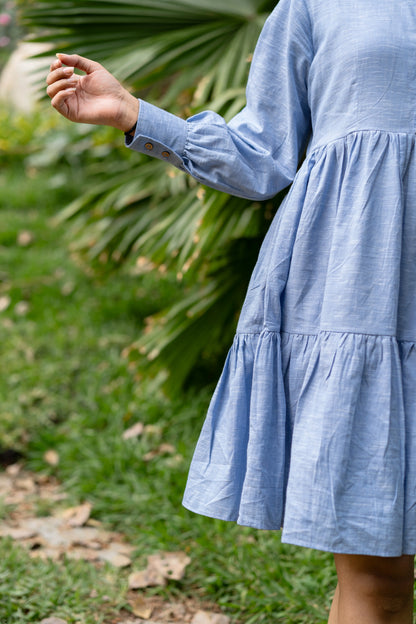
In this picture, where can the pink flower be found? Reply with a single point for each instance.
(5, 19)
(4, 41)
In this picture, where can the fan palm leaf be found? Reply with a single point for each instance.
(187, 55)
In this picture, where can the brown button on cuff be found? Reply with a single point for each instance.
(165, 154)
(148, 146)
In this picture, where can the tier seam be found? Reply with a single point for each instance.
(338, 331)
(323, 331)
(321, 146)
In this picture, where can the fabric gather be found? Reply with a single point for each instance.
(310, 422)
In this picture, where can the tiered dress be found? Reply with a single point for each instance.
(313, 423)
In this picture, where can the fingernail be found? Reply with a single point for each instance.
(68, 71)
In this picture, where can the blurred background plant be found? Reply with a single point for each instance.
(187, 56)
(10, 30)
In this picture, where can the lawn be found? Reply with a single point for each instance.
(67, 387)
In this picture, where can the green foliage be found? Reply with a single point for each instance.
(45, 141)
(139, 209)
(145, 41)
(10, 31)
(44, 346)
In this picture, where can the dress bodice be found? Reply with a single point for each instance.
(363, 72)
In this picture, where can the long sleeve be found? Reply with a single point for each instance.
(256, 154)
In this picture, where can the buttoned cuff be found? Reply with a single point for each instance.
(159, 134)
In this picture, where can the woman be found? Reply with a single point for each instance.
(313, 423)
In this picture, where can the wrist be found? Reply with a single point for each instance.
(131, 131)
(128, 114)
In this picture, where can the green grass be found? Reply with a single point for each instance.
(66, 387)
(32, 589)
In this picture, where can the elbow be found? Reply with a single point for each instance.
(261, 194)
(255, 195)
(266, 186)
(252, 184)
(261, 176)
(240, 188)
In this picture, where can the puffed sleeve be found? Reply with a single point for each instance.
(256, 154)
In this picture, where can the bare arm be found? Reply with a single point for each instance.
(95, 98)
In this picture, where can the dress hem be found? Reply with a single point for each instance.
(298, 542)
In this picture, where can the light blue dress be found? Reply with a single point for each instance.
(313, 423)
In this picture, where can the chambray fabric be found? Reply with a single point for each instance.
(313, 423)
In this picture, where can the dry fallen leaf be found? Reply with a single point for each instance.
(95, 523)
(124, 548)
(51, 457)
(77, 516)
(44, 554)
(140, 622)
(5, 301)
(79, 553)
(170, 564)
(13, 469)
(26, 483)
(25, 238)
(162, 449)
(133, 432)
(161, 567)
(18, 487)
(114, 557)
(6, 484)
(205, 617)
(174, 460)
(155, 430)
(17, 534)
(146, 578)
(21, 308)
(67, 289)
(140, 607)
(52, 537)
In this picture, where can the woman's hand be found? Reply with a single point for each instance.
(95, 98)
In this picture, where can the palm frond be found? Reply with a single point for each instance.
(143, 42)
(144, 208)
(203, 320)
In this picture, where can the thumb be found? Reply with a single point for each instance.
(80, 62)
